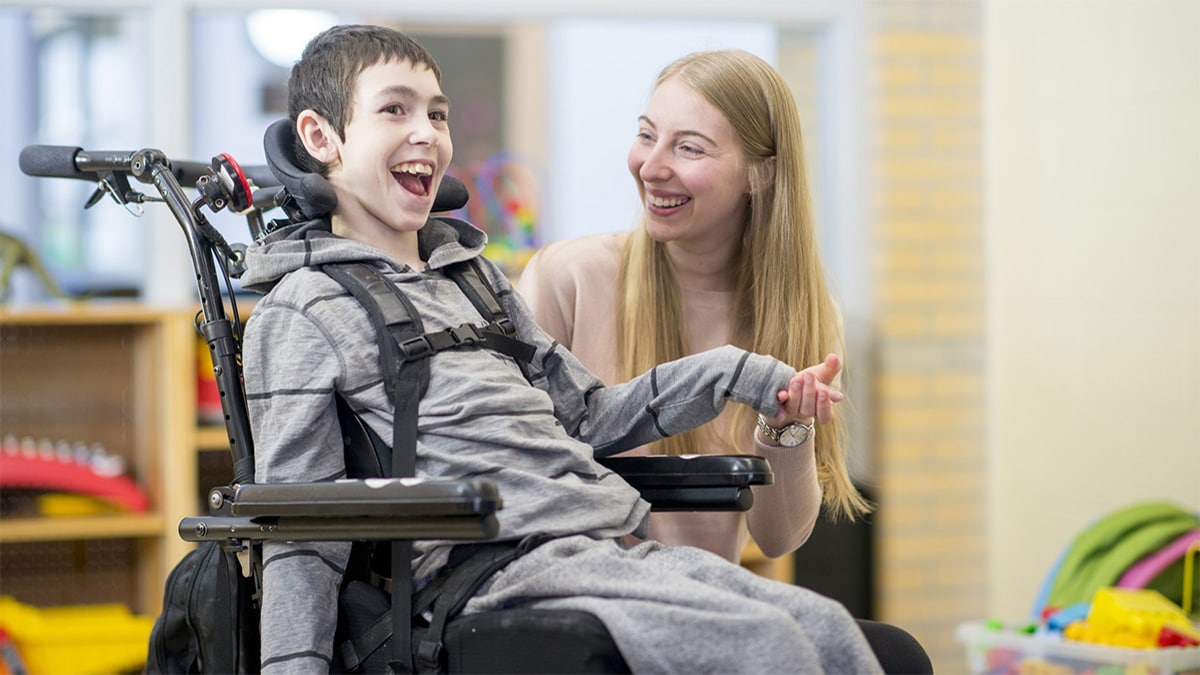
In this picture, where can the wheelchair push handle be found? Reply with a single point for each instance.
(51, 161)
(220, 184)
(64, 161)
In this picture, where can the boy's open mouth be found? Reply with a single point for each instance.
(416, 177)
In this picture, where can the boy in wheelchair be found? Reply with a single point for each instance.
(370, 117)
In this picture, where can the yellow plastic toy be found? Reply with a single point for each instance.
(1140, 618)
(85, 639)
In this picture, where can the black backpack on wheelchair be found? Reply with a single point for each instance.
(209, 621)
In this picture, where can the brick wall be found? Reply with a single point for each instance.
(926, 250)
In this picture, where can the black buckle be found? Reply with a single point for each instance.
(429, 654)
(416, 348)
(466, 334)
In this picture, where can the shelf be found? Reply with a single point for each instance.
(82, 314)
(120, 375)
(17, 530)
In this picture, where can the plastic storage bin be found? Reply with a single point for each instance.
(83, 640)
(1005, 652)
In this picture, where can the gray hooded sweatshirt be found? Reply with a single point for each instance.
(480, 417)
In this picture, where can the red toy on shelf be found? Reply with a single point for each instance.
(87, 473)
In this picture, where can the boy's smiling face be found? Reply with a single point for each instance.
(396, 150)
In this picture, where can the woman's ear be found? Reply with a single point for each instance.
(317, 136)
(769, 171)
(763, 176)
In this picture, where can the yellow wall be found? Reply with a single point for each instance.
(1093, 242)
(926, 252)
(1035, 255)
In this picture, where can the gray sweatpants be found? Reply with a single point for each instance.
(678, 609)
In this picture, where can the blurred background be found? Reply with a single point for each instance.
(1006, 192)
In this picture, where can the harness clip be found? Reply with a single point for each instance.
(416, 348)
(466, 334)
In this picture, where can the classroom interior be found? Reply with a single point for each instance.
(1006, 198)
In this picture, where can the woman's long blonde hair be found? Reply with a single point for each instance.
(782, 305)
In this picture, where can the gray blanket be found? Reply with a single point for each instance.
(734, 620)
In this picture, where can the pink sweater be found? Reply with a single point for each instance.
(571, 288)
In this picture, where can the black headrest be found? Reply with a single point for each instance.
(313, 194)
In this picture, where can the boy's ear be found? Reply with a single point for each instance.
(317, 136)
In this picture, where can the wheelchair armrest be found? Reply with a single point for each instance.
(370, 509)
(367, 497)
(694, 482)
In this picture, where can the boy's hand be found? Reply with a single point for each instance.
(810, 394)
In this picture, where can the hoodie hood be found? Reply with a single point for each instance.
(441, 242)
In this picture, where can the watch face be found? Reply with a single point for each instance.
(793, 435)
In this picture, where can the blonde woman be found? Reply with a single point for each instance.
(725, 252)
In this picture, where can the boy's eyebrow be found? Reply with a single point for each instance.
(685, 132)
(405, 91)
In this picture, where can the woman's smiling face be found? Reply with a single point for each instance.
(690, 168)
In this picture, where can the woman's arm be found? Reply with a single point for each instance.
(784, 513)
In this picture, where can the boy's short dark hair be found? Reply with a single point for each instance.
(324, 78)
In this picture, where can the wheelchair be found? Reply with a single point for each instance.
(243, 513)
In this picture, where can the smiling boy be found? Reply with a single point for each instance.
(371, 117)
(391, 151)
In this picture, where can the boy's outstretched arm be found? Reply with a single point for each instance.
(669, 399)
(680, 395)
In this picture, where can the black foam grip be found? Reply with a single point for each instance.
(51, 161)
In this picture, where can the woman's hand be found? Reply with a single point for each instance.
(810, 394)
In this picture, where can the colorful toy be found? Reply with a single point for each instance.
(1189, 578)
(1140, 618)
(506, 185)
(1004, 651)
(64, 467)
(1115, 544)
(1115, 602)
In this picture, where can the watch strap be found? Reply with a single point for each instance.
(777, 433)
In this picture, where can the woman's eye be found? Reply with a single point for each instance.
(394, 109)
(645, 137)
(439, 116)
(690, 150)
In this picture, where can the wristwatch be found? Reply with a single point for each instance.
(789, 436)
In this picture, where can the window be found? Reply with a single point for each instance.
(79, 82)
